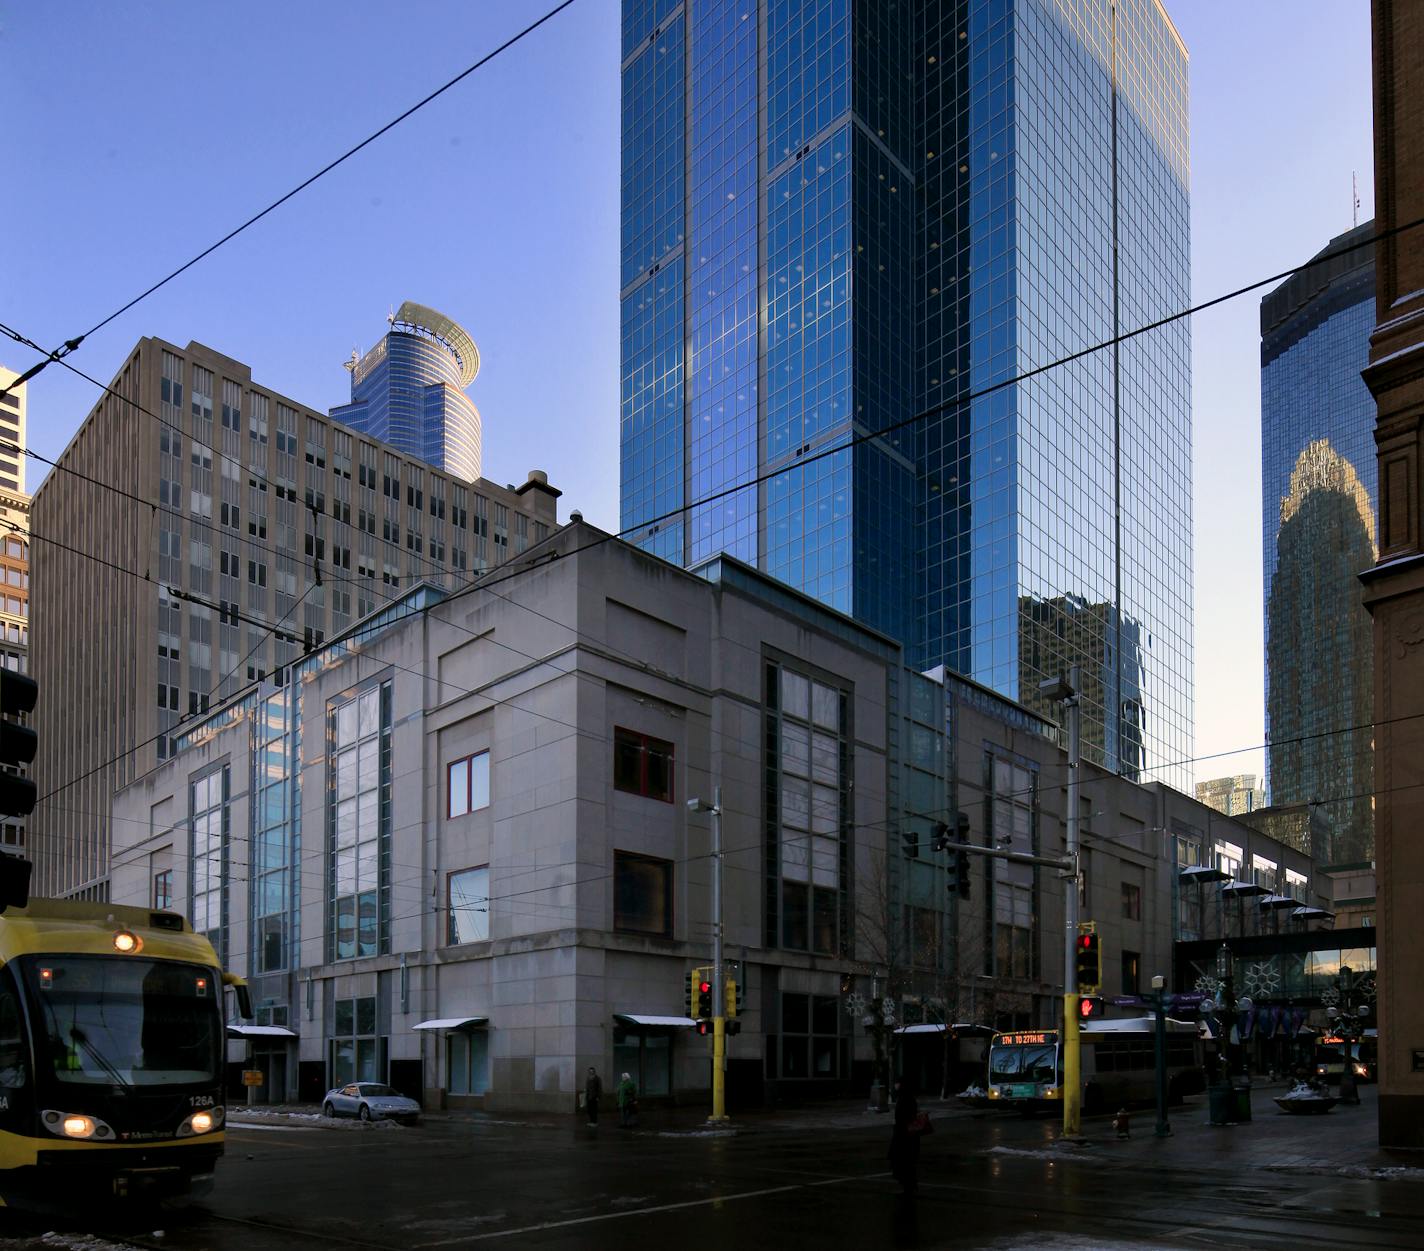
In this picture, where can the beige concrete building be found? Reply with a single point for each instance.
(251, 528)
(454, 851)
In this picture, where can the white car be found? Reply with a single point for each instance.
(371, 1101)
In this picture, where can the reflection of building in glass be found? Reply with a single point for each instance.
(886, 186)
(1232, 795)
(1055, 635)
(1319, 499)
(409, 391)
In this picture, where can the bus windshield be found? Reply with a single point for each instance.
(1034, 1062)
(124, 1020)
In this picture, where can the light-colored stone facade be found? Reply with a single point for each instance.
(597, 900)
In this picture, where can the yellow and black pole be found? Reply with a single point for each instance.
(719, 977)
(1066, 692)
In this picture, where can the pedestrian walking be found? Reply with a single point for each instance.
(627, 1101)
(592, 1093)
(905, 1138)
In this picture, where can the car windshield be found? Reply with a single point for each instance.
(124, 1020)
(375, 1088)
(1033, 1063)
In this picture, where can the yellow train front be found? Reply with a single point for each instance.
(112, 1044)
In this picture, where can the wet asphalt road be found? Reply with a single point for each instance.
(989, 1183)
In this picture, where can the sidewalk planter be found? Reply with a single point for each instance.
(1225, 1105)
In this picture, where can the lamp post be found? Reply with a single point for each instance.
(1159, 1000)
(719, 982)
(1066, 692)
(1346, 1016)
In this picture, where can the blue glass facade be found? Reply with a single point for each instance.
(922, 201)
(409, 391)
(1319, 498)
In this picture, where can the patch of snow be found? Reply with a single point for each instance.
(82, 1242)
(1067, 1242)
(1042, 1153)
(973, 1092)
(1364, 1172)
(1304, 1090)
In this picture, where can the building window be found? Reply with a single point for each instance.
(1297, 886)
(1228, 859)
(1013, 920)
(356, 1046)
(163, 889)
(810, 1044)
(642, 765)
(467, 785)
(358, 768)
(467, 903)
(807, 765)
(208, 821)
(1131, 972)
(642, 894)
(1264, 872)
(1131, 902)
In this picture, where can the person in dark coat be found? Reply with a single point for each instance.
(627, 1102)
(592, 1093)
(904, 1145)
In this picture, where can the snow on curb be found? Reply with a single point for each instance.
(1365, 1172)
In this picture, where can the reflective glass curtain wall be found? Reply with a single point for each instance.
(1319, 498)
(947, 193)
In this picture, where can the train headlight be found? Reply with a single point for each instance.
(76, 1125)
(127, 943)
(203, 1122)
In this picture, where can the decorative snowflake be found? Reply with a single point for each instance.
(1262, 979)
(1365, 988)
(1330, 996)
(1209, 986)
(855, 1004)
(887, 1011)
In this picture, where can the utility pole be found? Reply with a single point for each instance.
(1067, 693)
(719, 976)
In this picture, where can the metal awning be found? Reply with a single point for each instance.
(1279, 901)
(453, 1022)
(259, 1031)
(1243, 888)
(1311, 914)
(641, 1021)
(1202, 873)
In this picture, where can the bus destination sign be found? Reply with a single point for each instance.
(1040, 1038)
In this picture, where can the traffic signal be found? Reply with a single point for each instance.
(958, 881)
(17, 744)
(699, 993)
(1089, 961)
(730, 997)
(1090, 1007)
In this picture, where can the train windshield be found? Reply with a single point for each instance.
(1025, 1062)
(124, 1020)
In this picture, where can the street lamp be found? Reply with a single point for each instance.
(1159, 998)
(719, 980)
(1348, 1013)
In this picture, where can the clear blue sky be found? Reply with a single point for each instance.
(138, 133)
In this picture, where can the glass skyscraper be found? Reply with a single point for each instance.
(1319, 498)
(409, 391)
(841, 215)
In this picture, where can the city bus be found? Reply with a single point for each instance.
(1117, 1059)
(112, 1049)
(1330, 1057)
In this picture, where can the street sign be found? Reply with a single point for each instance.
(1127, 1001)
(252, 1077)
(1188, 999)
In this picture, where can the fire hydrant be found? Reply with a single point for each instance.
(1122, 1123)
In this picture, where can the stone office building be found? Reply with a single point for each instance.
(230, 528)
(454, 850)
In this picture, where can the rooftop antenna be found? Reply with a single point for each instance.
(391, 316)
(351, 364)
(1355, 196)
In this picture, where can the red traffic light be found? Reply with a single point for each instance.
(704, 1028)
(1086, 942)
(704, 987)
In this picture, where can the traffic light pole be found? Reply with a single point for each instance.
(719, 979)
(1072, 1052)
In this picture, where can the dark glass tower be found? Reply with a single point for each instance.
(409, 391)
(1319, 498)
(841, 214)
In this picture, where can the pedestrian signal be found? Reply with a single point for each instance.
(1089, 962)
(1090, 1008)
